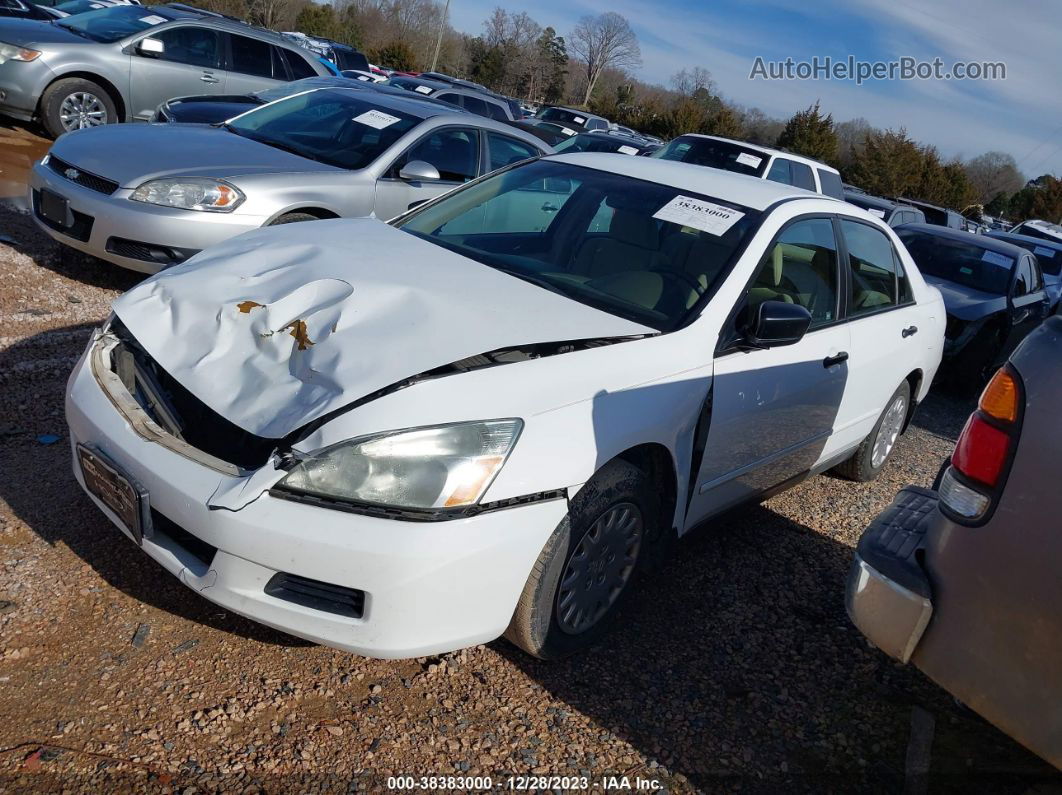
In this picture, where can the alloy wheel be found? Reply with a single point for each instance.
(891, 424)
(82, 109)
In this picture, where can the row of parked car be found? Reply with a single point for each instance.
(490, 414)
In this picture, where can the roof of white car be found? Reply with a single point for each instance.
(766, 150)
(726, 185)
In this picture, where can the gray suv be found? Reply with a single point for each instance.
(118, 63)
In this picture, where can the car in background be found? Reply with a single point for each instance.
(118, 63)
(489, 415)
(1041, 229)
(754, 161)
(345, 57)
(938, 216)
(604, 142)
(549, 132)
(962, 580)
(71, 7)
(1049, 254)
(21, 9)
(572, 121)
(890, 212)
(149, 196)
(465, 94)
(993, 291)
(418, 84)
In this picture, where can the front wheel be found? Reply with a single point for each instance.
(873, 453)
(585, 570)
(74, 104)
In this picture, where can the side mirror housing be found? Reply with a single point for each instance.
(150, 46)
(419, 171)
(776, 323)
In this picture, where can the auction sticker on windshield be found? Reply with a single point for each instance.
(376, 119)
(997, 259)
(422, 90)
(699, 214)
(749, 160)
(628, 150)
(154, 19)
(1040, 251)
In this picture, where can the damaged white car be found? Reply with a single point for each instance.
(488, 416)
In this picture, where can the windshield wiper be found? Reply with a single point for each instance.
(533, 279)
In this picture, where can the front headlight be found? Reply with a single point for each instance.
(11, 52)
(448, 466)
(190, 193)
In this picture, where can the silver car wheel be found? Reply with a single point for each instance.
(891, 424)
(82, 109)
(600, 568)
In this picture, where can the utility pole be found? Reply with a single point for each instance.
(438, 41)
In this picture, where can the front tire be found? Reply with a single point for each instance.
(874, 452)
(293, 218)
(585, 570)
(74, 104)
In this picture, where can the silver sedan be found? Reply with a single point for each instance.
(147, 197)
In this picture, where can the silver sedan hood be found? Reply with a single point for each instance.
(278, 327)
(131, 154)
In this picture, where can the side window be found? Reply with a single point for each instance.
(872, 263)
(455, 152)
(453, 99)
(596, 124)
(505, 150)
(474, 105)
(189, 45)
(831, 183)
(780, 171)
(899, 218)
(496, 112)
(251, 56)
(1023, 278)
(802, 176)
(300, 68)
(801, 268)
(904, 293)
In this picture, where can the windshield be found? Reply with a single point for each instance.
(961, 262)
(1049, 256)
(568, 117)
(715, 154)
(336, 126)
(1045, 232)
(636, 249)
(596, 143)
(113, 23)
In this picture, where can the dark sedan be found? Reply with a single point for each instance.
(1049, 253)
(993, 291)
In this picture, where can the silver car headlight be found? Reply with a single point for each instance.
(11, 52)
(447, 466)
(190, 193)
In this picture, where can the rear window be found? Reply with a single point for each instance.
(714, 154)
(831, 183)
(568, 117)
(299, 67)
(1050, 258)
(351, 59)
(964, 263)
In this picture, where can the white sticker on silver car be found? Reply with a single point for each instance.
(699, 214)
(376, 119)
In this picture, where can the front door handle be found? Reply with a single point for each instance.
(830, 361)
(549, 208)
(208, 78)
(909, 331)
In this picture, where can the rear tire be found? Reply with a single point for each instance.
(876, 450)
(585, 570)
(293, 218)
(75, 103)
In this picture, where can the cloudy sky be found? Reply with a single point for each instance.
(1021, 115)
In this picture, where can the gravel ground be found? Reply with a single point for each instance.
(734, 669)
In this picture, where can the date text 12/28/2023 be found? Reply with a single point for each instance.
(524, 783)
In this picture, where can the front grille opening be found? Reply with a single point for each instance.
(200, 549)
(149, 252)
(180, 412)
(316, 595)
(82, 178)
(80, 229)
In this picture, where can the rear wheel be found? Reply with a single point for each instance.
(75, 104)
(874, 452)
(584, 571)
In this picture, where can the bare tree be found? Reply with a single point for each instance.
(994, 173)
(603, 42)
(690, 83)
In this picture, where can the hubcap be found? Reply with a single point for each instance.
(82, 109)
(888, 432)
(600, 568)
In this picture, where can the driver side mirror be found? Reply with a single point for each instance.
(150, 46)
(776, 323)
(419, 171)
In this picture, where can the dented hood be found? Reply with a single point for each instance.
(280, 326)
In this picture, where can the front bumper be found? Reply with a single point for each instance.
(21, 86)
(429, 587)
(100, 218)
(888, 595)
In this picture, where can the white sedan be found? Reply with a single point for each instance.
(489, 415)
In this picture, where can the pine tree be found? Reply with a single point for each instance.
(811, 134)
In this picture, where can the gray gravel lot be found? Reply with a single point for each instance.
(735, 668)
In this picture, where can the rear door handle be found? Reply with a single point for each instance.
(909, 331)
(830, 361)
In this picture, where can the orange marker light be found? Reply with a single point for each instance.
(1000, 398)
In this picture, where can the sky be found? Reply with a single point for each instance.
(1021, 115)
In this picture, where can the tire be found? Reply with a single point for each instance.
(864, 464)
(293, 218)
(73, 95)
(545, 623)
